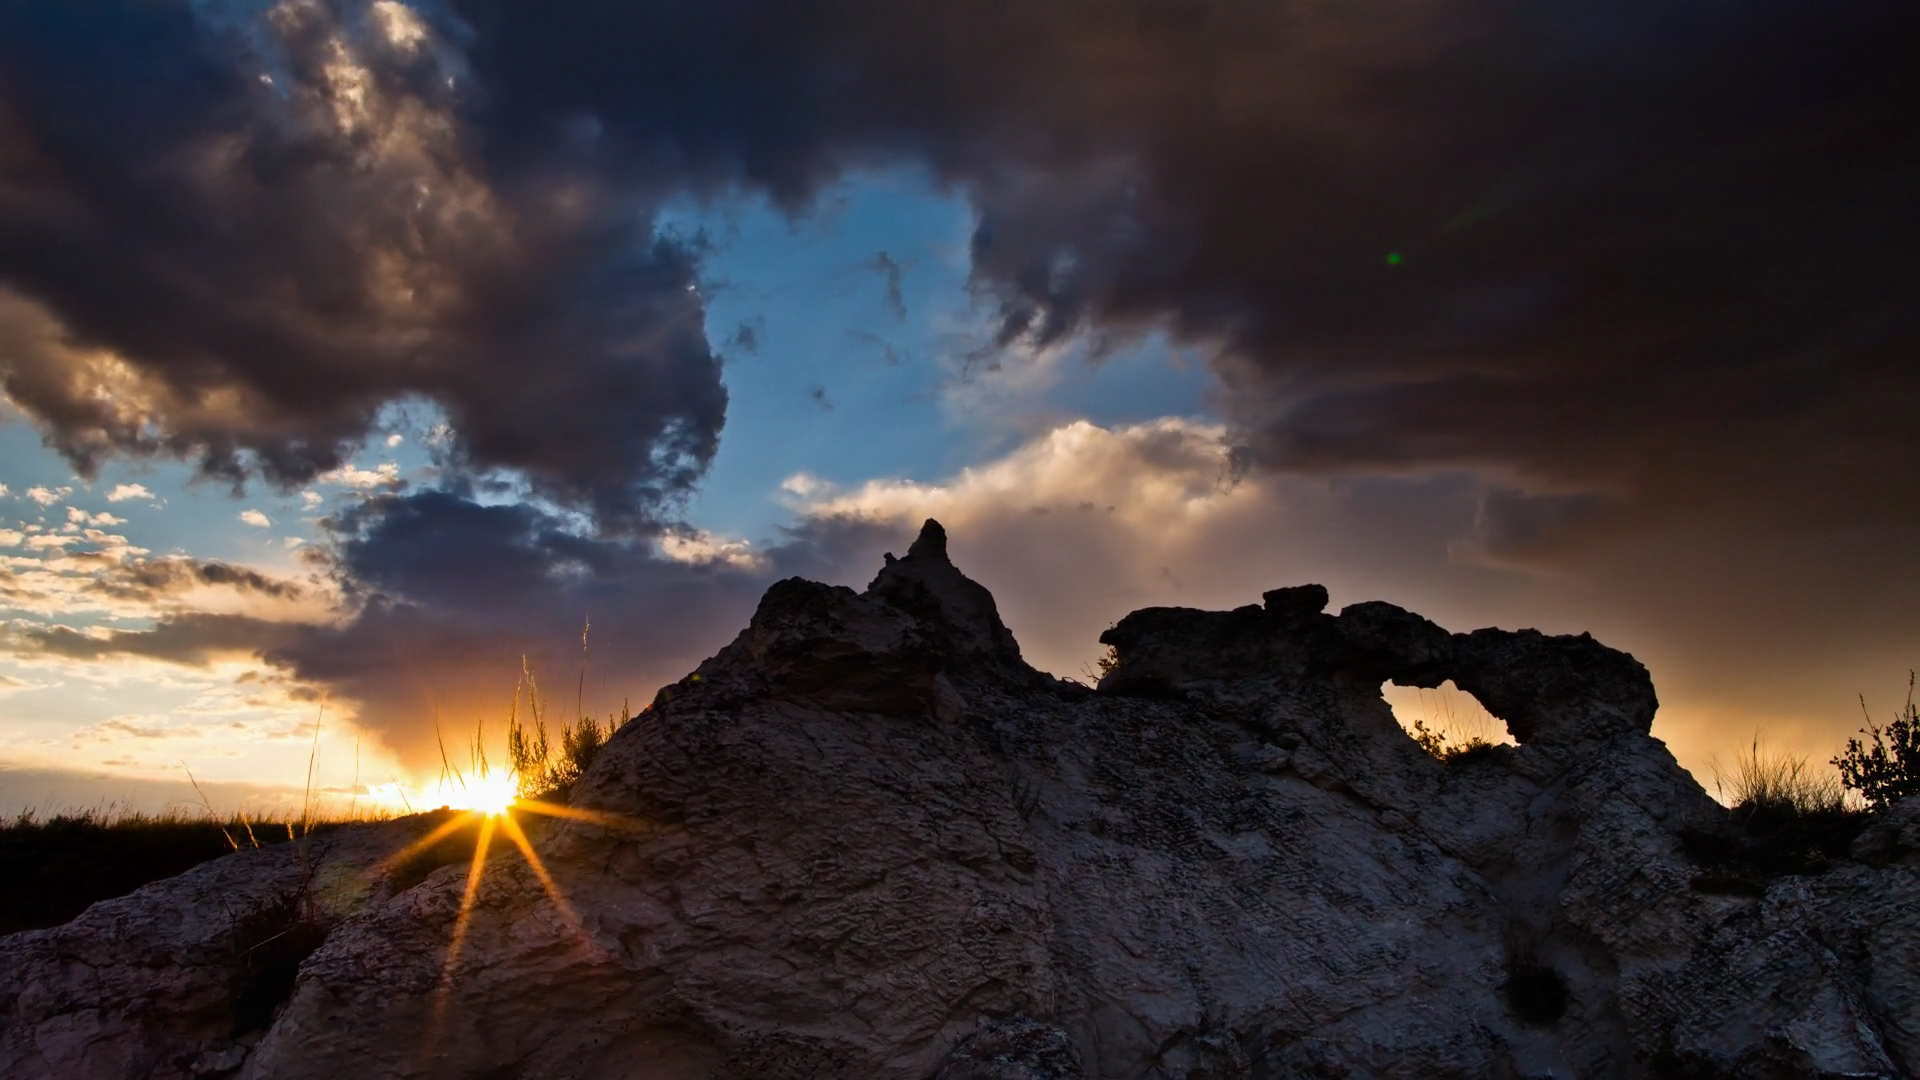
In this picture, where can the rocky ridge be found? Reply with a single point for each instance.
(866, 839)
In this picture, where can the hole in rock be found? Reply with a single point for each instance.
(1536, 993)
(1449, 722)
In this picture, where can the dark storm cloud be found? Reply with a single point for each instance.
(235, 238)
(1656, 255)
(156, 579)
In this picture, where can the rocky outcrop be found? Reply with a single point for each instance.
(1552, 689)
(867, 840)
(183, 976)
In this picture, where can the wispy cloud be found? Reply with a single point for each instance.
(139, 727)
(77, 516)
(83, 572)
(123, 492)
(256, 519)
(384, 475)
(47, 496)
(11, 685)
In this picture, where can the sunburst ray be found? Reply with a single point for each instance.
(539, 867)
(474, 873)
(445, 829)
(437, 1015)
(574, 813)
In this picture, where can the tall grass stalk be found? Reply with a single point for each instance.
(313, 759)
(541, 769)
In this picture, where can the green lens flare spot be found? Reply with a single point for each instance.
(1393, 258)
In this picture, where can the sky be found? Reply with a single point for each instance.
(359, 358)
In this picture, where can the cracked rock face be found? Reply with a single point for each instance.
(866, 840)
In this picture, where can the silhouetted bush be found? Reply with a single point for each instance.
(1759, 843)
(1886, 768)
(1475, 748)
(1775, 786)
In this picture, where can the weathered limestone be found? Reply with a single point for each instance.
(866, 840)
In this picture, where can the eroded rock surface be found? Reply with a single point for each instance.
(867, 840)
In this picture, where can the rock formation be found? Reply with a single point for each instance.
(866, 840)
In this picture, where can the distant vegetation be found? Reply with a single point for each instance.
(1456, 728)
(52, 868)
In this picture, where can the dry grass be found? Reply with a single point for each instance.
(1775, 783)
(541, 770)
(1784, 817)
(53, 865)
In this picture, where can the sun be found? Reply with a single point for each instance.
(489, 793)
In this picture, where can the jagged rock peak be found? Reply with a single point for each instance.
(931, 543)
(920, 632)
(927, 585)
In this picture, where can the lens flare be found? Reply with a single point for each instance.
(490, 793)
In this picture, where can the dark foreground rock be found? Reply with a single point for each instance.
(867, 840)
